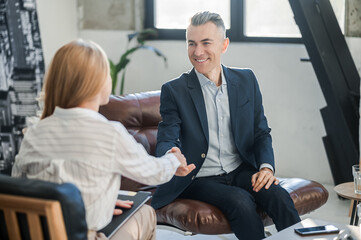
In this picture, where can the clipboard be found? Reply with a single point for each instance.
(139, 199)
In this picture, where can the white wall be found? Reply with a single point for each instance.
(58, 24)
(354, 43)
(291, 93)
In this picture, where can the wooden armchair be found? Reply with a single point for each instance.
(34, 209)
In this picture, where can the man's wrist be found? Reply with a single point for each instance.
(267, 166)
(266, 169)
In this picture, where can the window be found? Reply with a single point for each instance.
(171, 17)
(245, 20)
(166, 10)
(271, 18)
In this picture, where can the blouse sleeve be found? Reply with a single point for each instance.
(133, 161)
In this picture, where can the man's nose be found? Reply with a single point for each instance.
(198, 51)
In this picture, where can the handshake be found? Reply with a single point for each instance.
(183, 169)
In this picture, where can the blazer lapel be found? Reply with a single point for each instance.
(198, 100)
(233, 94)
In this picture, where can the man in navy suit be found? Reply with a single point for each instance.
(214, 116)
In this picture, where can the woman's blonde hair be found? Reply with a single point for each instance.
(77, 73)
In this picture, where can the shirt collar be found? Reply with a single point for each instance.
(76, 112)
(203, 80)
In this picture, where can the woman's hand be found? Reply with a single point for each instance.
(183, 169)
(122, 204)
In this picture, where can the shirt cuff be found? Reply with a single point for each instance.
(174, 160)
(267, 165)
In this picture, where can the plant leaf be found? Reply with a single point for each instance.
(146, 34)
(141, 36)
(122, 64)
(132, 35)
(156, 51)
(127, 53)
(111, 64)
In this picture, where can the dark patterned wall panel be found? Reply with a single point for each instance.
(21, 73)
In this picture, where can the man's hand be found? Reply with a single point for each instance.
(122, 204)
(262, 178)
(183, 169)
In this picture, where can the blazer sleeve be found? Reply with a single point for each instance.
(169, 127)
(262, 138)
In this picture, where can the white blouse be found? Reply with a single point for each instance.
(82, 147)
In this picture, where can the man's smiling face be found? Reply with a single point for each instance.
(206, 43)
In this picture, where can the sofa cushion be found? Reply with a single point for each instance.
(200, 217)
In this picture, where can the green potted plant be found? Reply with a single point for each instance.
(141, 37)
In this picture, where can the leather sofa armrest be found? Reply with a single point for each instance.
(131, 185)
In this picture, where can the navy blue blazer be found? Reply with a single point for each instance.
(184, 125)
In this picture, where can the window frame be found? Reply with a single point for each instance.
(235, 33)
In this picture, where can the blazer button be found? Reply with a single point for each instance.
(203, 155)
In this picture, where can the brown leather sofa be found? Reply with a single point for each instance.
(139, 113)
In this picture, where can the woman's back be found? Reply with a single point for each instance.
(80, 146)
(74, 145)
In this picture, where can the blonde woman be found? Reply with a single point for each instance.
(74, 143)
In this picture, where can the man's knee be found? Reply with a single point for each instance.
(281, 195)
(278, 202)
(275, 192)
(239, 205)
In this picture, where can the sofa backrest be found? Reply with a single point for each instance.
(139, 113)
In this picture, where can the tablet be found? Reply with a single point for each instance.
(139, 199)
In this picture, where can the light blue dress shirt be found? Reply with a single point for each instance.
(222, 156)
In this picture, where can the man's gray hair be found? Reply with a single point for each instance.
(201, 18)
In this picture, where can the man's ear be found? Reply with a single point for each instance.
(225, 45)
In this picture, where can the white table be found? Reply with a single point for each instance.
(289, 233)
